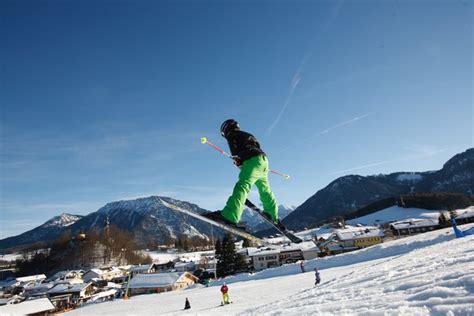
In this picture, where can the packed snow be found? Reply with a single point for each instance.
(426, 274)
(394, 213)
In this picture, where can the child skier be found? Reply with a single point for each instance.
(317, 276)
(253, 164)
(225, 294)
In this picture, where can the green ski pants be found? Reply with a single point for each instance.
(253, 171)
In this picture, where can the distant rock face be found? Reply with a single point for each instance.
(349, 193)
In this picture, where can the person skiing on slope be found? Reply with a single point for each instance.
(302, 266)
(317, 277)
(225, 294)
(253, 164)
(187, 305)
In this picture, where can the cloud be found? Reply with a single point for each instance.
(294, 84)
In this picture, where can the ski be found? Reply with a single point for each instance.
(282, 230)
(230, 229)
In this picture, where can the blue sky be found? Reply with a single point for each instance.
(108, 100)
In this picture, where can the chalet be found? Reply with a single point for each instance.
(143, 269)
(104, 274)
(79, 292)
(31, 279)
(359, 237)
(73, 276)
(334, 247)
(41, 306)
(264, 258)
(413, 226)
(290, 255)
(6, 274)
(465, 216)
(164, 267)
(306, 250)
(160, 282)
(185, 266)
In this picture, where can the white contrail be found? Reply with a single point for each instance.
(363, 166)
(294, 84)
(355, 119)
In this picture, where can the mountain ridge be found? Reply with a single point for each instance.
(349, 193)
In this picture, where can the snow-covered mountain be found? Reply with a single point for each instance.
(349, 193)
(50, 230)
(149, 220)
(255, 223)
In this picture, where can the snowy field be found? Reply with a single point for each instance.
(427, 274)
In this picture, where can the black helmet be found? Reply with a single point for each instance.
(228, 126)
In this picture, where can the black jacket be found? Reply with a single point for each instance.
(243, 145)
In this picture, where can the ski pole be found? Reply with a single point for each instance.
(205, 141)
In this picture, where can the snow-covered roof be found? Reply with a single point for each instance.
(155, 280)
(68, 288)
(103, 294)
(8, 283)
(96, 271)
(414, 223)
(27, 307)
(465, 213)
(262, 251)
(184, 264)
(358, 233)
(142, 268)
(38, 277)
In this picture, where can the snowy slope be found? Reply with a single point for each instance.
(427, 274)
(396, 213)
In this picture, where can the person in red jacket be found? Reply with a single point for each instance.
(225, 294)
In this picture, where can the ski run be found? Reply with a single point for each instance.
(426, 274)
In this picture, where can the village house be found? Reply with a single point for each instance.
(465, 216)
(264, 258)
(160, 282)
(71, 276)
(185, 266)
(350, 239)
(164, 267)
(7, 274)
(78, 292)
(31, 279)
(413, 226)
(106, 274)
(143, 269)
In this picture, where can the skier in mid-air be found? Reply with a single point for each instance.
(253, 164)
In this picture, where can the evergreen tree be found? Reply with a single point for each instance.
(442, 220)
(218, 254)
(246, 243)
(228, 260)
(452, 213)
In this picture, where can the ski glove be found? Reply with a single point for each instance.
(237, 161)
